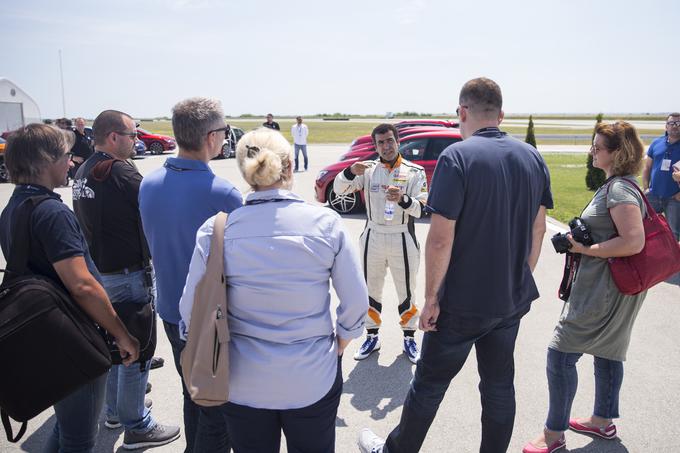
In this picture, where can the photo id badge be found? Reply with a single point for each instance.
(665, 165)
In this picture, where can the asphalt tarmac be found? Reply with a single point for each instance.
(374, 389)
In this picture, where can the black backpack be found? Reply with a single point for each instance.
(49, 347)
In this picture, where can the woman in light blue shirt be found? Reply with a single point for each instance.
(280, 254)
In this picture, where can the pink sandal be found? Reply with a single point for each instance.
(606, 433)
(559, 443)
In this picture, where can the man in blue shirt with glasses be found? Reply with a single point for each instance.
(175, 201)
(661, 177)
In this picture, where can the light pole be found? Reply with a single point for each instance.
(63, 97)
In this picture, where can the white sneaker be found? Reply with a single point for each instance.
(371, 344)
(411, 349)
(369, 442)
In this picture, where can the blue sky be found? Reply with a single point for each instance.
(370, 56)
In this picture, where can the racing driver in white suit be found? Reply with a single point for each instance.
(389, 238)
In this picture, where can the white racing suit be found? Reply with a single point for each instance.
(389, 243)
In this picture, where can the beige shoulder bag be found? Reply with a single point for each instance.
(205, 358)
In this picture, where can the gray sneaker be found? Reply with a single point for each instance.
(114, 423)
(369, 442)
(158, 435)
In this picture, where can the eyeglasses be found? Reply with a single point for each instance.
(461, 107)
(673, 123)
(596, 149)
(225, 129)
(132, 135)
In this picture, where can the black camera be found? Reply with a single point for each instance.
(579, 231)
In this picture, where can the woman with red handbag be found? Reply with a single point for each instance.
(597, 319)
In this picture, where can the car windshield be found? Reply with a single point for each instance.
(417, 124)
(414, 149)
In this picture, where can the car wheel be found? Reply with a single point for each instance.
(4, 174)
(156, 148)
(343, 204)
(225, 152)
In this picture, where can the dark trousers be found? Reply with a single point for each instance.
(205, 428)
(442, 356)
(309, 429)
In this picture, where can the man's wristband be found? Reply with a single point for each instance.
(348, 173)
(405, 201)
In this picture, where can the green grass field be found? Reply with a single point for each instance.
(563, 131)
(346, 131)
(322, 132)
(567, 178)
(565, 116)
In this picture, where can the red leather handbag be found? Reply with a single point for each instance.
(658, 260)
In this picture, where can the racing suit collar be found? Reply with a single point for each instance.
(392, 167)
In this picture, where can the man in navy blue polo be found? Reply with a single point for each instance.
(488, 199)
(661, 177)
(174, 202)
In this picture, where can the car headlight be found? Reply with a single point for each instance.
(321, 174)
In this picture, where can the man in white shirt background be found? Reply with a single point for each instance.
(299, 132)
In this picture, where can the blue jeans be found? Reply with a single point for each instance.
(126, 386)
(78, 419)
(563, 381)
(205, 428)
(443, 355)
(670, 208)
(302, 148)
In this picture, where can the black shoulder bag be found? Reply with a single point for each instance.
(49, 347)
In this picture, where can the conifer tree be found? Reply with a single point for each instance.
(531, 137)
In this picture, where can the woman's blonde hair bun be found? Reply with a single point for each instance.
(263, 157)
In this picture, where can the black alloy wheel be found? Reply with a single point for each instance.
(156, 148)
(342, 204)
(4, 174)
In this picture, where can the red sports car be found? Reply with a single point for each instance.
(425, 122)
(156, 143)
(4, 175)
(368, 148)
(422, 148)
(407, 124)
